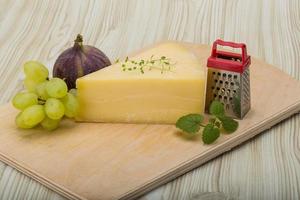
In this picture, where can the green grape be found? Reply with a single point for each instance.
(40, 90)
(73, 91)
(50, 124)
(54, 108)
(36, 71)
(32, 115)
(71, 105)
(56, 88)
(20, 122)
(23, 100)
(30, 85)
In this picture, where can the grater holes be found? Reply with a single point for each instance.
(218, 88)
(228, 92)
(224, 75)
(219, 74)
(216, 80)
(231, 83)
(214, 73)
(221, 82)
(235, 77)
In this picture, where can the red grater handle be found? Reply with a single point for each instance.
(230, 44)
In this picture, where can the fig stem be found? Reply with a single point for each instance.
(78, 42)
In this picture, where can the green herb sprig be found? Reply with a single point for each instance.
(193, 123)
(162, 63)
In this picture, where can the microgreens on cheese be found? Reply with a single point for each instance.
(162, 63)
(193, 123)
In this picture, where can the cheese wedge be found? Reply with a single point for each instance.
(116, 96)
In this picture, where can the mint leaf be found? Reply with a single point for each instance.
(189, 123)
(210, 134)
(229, 124)
(216, 108)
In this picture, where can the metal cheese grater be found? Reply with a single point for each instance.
(228, 79)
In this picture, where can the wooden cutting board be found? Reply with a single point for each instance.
(124, 161)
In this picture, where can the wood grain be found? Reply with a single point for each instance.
(267, 167)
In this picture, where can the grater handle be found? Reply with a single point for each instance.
(230, 44)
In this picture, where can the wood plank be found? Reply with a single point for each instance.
(124, 161)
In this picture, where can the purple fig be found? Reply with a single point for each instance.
(78, 61)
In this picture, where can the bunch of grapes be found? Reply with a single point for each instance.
(45, 101)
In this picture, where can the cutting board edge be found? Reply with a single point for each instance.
(37, 177)
(202, 159)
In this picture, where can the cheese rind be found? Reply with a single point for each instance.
(114, 96)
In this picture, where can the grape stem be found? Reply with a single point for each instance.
(41, 101)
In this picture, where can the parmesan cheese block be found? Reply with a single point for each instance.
(116, 96)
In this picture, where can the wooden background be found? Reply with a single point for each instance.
(267, 167)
